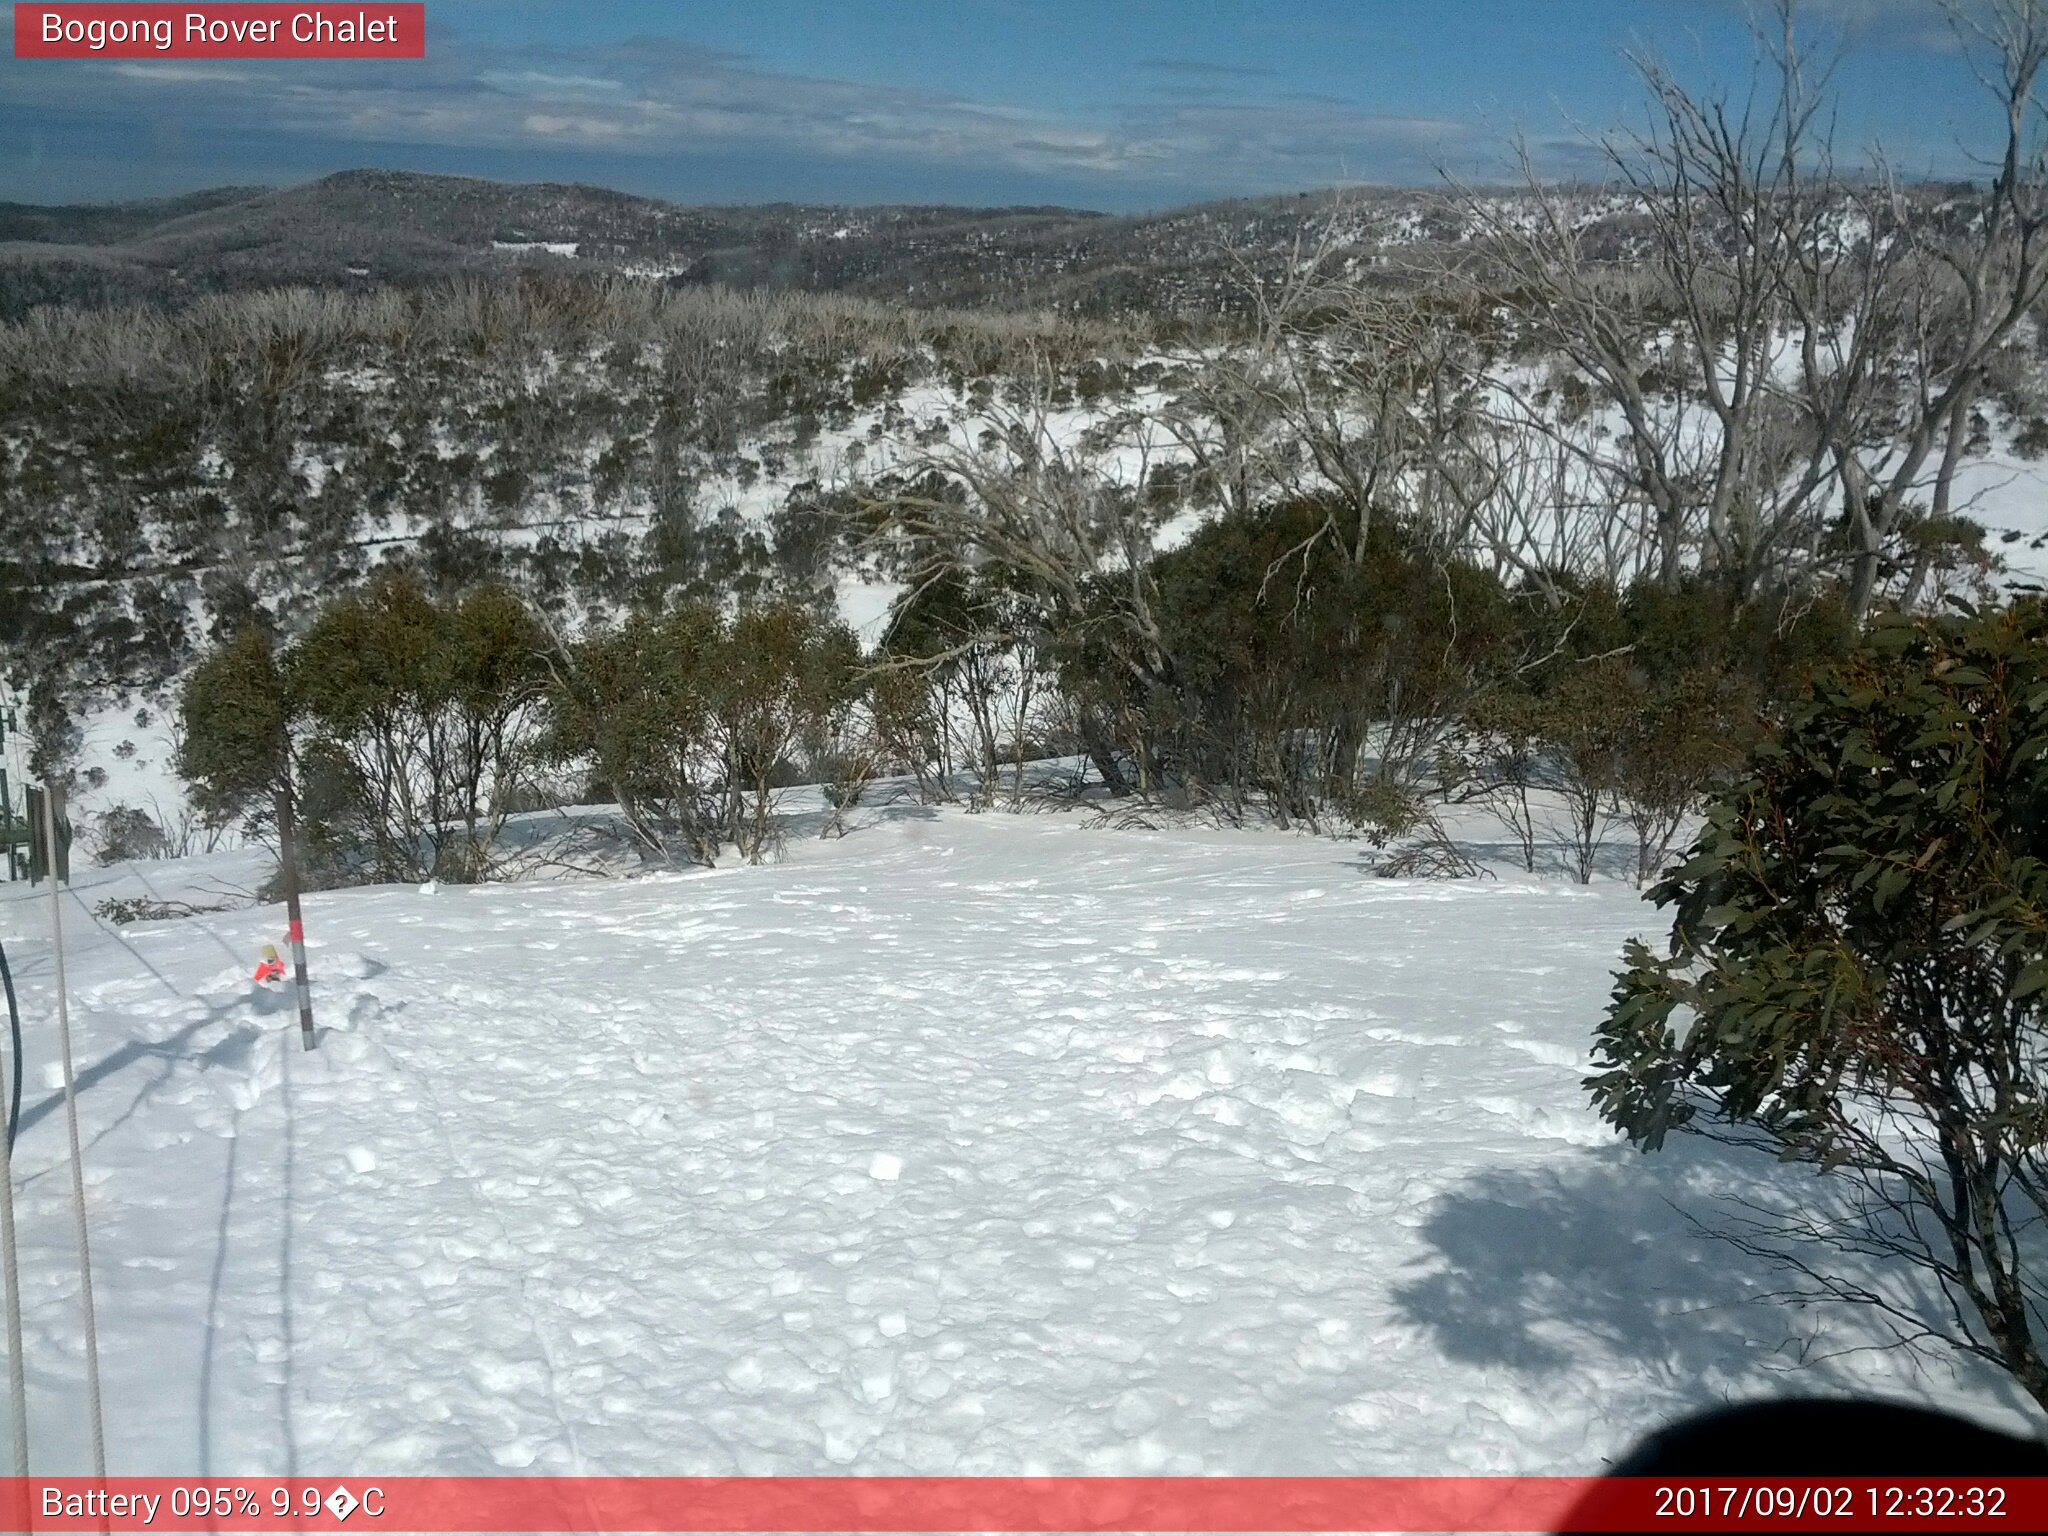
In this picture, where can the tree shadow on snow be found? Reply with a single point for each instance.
(812, 824)
(1613, 861)
(1593, 1257)
(230, 1051)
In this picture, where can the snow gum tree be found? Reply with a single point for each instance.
(1787, 374)
(422, 723)
(1857, 977)
(234, 748)
(972, 642)
(785, 676)
(694, 722)
(401, 727)
(635, 707)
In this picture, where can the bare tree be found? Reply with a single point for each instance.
(1899, 340)
(1678, 371)
(1540, 505)
(1361, 392)
(1036, 498)
(1812, 347)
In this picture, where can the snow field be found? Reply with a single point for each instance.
(965, 1144)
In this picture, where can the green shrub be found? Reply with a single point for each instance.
(236, 716)
(403, 726)
(1858, 969)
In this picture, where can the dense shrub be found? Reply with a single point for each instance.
(125, 832)
(236, 712)
(692, 721)
(1286, 660)
(635, 705)
(419, 721)
(785, 679)
(404, 728)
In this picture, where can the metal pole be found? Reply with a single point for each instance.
(92, 1332)
(295, 931)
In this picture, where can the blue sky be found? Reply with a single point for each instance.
(1113, 104)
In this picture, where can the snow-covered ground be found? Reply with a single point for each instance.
(2008, 494)
(964, 1144)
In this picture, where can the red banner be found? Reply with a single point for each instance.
(1022, 1504)
(153, 31)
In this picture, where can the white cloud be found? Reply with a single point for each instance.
(170, 72)
(657, 97)
(534, 82)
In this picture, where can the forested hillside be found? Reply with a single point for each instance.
(361, 230)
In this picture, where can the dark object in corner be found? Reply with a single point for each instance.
(1823, 1437)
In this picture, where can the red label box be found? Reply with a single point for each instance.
(367, 29)
(152, 1505)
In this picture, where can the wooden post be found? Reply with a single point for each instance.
(295, 931)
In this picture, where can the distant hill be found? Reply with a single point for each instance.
(370, 228)
(99, 223)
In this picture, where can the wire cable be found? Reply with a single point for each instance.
(17, 1370)
(14, 1030)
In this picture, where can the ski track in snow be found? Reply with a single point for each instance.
(961, 1145)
